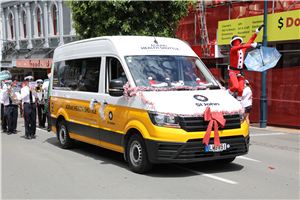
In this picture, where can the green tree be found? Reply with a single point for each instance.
(102, 18)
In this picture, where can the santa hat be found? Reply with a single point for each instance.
(236, 38)
(15, 82)
(23, 84)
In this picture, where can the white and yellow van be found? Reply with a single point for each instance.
(157, 117)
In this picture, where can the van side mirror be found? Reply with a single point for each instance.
(116, 88)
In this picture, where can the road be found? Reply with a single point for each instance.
(40, 169)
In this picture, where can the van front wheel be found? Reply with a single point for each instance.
(137, 155)
(63, 136)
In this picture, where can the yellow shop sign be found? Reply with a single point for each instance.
(280, 26)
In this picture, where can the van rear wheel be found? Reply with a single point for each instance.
(63, 136)
(137, 155)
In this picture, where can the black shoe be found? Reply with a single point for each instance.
(8, 133)
(48, 129)
(4, 130)
(33, 136)
(14, 132)
(41, 126)
(28, 137)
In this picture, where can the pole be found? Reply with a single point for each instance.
(263, 98)
(195, 27)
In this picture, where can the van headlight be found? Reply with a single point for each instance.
(164, 120)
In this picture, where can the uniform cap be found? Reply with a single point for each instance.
(39, 81)
(8, 81)
(28, 78)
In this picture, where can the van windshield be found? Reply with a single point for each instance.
(169, 71)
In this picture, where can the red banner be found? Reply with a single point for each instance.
(34, 63)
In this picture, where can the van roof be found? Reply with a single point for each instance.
(126, 45)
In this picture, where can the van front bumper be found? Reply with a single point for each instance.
(194, 150)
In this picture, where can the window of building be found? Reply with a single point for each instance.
(114, 70)
(24, 23)
(290, 55)
(77, 75)
(38, 22)
(11, 26)
(54, 14)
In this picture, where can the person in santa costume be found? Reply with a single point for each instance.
(237, 54)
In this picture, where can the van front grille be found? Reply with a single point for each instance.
(193, 124)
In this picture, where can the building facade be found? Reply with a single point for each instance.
(203, 30)
(31, 30)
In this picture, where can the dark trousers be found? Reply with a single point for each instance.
(48, 115)
(3, 118)
(12, 117)
(30, 119)
(41, 114)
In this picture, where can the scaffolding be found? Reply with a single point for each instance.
(204, 40)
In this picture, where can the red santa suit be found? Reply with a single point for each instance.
(237, 55)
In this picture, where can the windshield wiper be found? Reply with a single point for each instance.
(213, 87)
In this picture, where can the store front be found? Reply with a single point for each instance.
(38, 68)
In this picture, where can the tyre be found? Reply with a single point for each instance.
(63, 136)
(137, 155)
(225, 160)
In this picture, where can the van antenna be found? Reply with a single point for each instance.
(155, 41)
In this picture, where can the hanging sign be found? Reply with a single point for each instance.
(4, 64)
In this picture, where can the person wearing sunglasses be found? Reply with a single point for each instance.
(28, 96)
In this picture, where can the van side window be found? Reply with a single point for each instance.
(77, 75)
(114, 70)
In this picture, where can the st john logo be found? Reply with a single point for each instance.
(200, 98)
(110, 115)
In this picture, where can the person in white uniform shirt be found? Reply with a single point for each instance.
(4, 118)
(28, 96)
(247, 100)
(1, 102)
(40, 105)
(11, 109)
(47, 102)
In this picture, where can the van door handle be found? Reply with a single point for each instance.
(94, 101)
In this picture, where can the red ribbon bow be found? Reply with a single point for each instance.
(216, 119)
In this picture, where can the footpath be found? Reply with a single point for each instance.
(275, 128)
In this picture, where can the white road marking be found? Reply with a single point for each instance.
(265, 134)
(207, 175)
(245, 158)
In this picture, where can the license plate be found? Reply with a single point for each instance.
(212, 148)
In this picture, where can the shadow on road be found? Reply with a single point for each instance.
(191, 169)
(106, 156)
